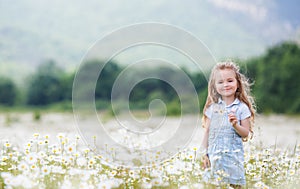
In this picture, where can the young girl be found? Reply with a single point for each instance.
(228, 118)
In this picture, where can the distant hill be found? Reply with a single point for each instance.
(33, 31)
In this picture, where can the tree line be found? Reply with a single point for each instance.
(276, 79)
(274, 75)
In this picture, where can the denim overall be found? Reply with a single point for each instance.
(225, 149)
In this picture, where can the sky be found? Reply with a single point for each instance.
(32, 30)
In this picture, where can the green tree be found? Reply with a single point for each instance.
(8, 92)
(67, 85)
(45, 85)
(151, 88)
(106, 79)
(277, 83)
(102, 87)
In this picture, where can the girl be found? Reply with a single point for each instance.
(228, 119)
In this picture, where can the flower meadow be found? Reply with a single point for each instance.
(62, 162)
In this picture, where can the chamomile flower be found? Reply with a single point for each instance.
(23, 166)
(61, 136)
(45, 170)
(36, 135)
(31, 158)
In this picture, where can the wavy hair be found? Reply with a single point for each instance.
(242, 92)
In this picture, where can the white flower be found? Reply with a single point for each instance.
(105, 185)
(23, 167)
(33, 167)
(157, 181)
(31, 158)
(4, 158)
(46, 137)
(71, 148)
(134, 174)
(182, 178)
(66, 184)
(259, 184)
(112, 173)
(7, 177)
(7, 144)
(92, 161)
(146, 185)
(45, 170)
(173, 170)
(60, 136)
(291, 172)
(190, 155)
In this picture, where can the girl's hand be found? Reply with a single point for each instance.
(205, 162)
(233, 119)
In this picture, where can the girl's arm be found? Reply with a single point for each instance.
(243, 129)
(206, 132)
(204, 145)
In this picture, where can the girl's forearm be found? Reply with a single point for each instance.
(243, 128)
(204, 144)
(242, 131)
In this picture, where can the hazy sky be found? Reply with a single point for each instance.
(34, 30)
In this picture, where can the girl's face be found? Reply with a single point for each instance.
(226, 83)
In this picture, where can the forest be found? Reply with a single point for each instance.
(274, 75)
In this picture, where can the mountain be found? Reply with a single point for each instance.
(33, 31)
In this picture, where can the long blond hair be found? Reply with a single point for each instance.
(242, 92)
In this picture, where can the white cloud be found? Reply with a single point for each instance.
(255, 10)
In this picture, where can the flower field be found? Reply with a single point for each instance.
(59, 162)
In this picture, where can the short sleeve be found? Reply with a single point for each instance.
(209, 112)
(244, 111)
